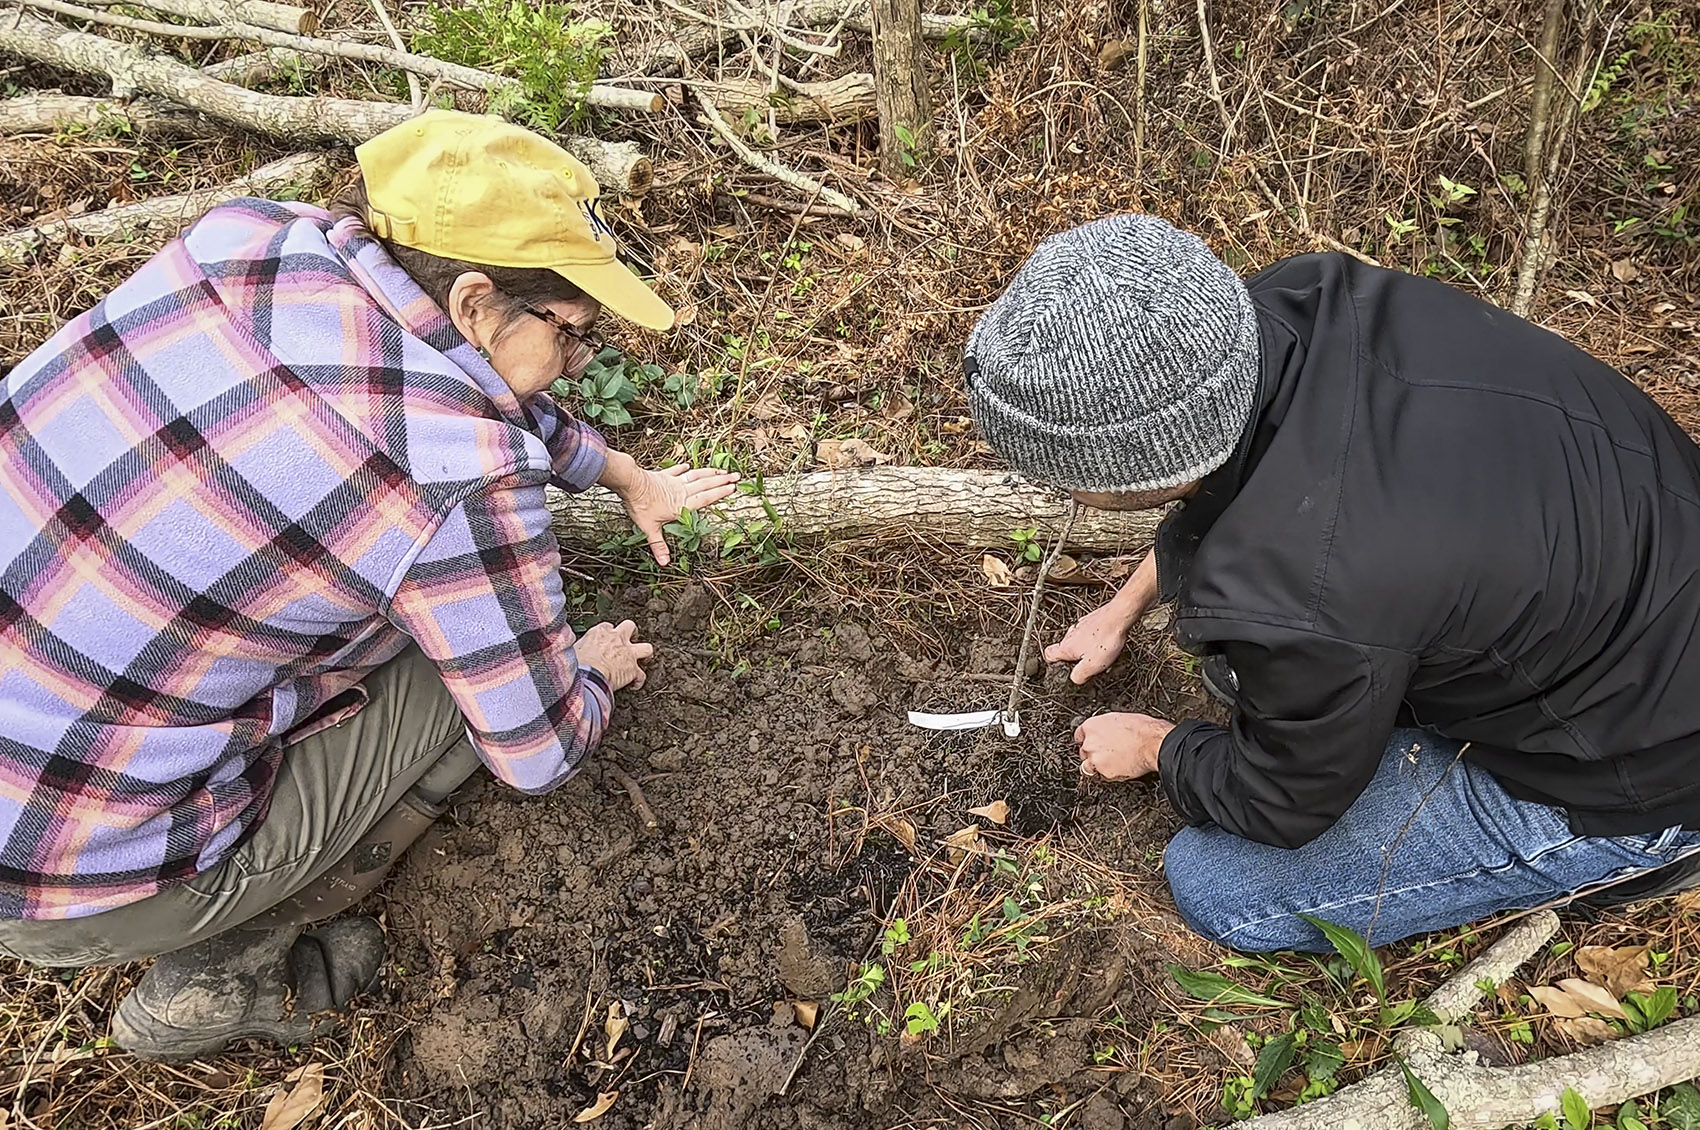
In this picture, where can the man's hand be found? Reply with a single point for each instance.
(614, 654)
(655, 498)
(1119, 747)
(1095, 641)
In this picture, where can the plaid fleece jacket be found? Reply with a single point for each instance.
(253, 473)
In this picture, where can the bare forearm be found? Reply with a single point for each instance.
(1139, 593)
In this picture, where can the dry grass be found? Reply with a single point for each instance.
(1333, 130)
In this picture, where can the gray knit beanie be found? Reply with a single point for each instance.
(1124, 357)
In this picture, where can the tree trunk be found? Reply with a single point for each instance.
(167, 213)
(900, 84)
(957, 509)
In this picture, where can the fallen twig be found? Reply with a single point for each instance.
(618, 166)
(53, 113)
(415, 94)
(635, 792)
(171, 212)
(799, 181)
(1486, 1098)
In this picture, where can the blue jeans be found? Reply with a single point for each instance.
(1472, 851)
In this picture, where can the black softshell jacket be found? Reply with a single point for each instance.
(1440, 514)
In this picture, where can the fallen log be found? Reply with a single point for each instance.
(167, 213)
(600, 96)
(260, 13)
(965, 508)
(299, 119)
(56, 113)
(1487, 1098)
(846, 99)
(261, 66)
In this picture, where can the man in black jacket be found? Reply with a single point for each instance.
(1445, 565)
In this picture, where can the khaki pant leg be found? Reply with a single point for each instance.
(331, 788)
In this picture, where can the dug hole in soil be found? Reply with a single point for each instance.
(798, 813)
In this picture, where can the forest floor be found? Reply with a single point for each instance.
(819, 929)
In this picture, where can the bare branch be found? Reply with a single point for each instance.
(167, 213)
(601, 96)
(807, 185)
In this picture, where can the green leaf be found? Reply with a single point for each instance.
(1350, 944)
(1272, 1063)
(1324, 1060)
(1577, 1115)
(919, 1019)
(1681, 1107)
(1648, 1012)
(1423, 1099)
(615, 415)
(1213, 988)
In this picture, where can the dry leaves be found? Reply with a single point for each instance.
(997, 811)
(962, 841)
(1574, 998)
(1621, 969)
(614, 1027)
(1065, 570)
(1231, 1042)
(997, 571)
(1585, 1030)
(291, 1107)
(897, 407)
(806, 1013)
(600, 1107)
(839, 453)
(1625, 271)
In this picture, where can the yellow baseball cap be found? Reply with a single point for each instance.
(474, 187)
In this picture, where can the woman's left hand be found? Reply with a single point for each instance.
(654, 498)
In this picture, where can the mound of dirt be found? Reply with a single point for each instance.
(552, 951)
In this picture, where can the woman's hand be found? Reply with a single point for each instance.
(614, 654)
(654, 498)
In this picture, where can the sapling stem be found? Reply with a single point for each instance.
(1011, 715)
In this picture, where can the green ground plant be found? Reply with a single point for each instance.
(554, 55)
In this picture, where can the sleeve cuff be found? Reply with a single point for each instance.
(585, 460)
(1173, 760)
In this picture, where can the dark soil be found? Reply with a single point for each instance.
(519, 927)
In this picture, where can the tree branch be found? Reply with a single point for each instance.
(618, 166)
(170, 213)
(808, 186)
(603, 97)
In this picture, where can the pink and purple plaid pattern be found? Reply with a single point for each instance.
(259, 467)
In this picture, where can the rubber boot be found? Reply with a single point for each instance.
(363, 869)
(248, 984)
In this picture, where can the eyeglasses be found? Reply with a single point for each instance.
(582, 345)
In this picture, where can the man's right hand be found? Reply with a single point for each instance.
(1097, 638)
(614, 654)
(1093, 643)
